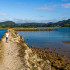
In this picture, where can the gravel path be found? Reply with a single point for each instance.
(11, 60)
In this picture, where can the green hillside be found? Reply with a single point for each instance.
(7, 23)
(11, 24)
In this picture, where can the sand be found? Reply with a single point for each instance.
(11, 60)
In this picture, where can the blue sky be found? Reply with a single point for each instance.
(34, 10)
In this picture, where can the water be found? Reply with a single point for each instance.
(2, 31)
(49, 39)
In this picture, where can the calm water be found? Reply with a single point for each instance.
(2, 31)
(49, 39)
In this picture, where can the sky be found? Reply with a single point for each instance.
(42, 11)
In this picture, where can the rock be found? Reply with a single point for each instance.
(57, 63)
(38, 60)
(17, 41)
(21, 37)
(67, 67)
(46, 65)
(35, 66)
(38, 68)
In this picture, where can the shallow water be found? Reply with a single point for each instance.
(49, 39)
(2, 31)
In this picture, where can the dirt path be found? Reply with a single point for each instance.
(11, 60)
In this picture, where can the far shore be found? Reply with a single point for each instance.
(33, 29)
(66, 42)
(37, 29)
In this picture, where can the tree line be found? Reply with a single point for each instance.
(11, 24)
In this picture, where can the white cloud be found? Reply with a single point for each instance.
(33, 21)
(3, 14)
(17, 20)
(30, 21)
(43, 8)
(66, 5)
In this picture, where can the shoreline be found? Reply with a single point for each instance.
(33, 29)
(53, 57)
(35, 58)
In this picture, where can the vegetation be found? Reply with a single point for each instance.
(7, 24)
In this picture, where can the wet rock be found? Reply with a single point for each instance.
(21, 37)
(46, 65)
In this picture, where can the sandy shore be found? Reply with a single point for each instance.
(11, 60)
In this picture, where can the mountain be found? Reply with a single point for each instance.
(63, 23)
(7, 23)
(11, 24)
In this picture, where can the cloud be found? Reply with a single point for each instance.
(43, 8)
(66, 5)
(65, 18)
(2, 20)
(28, 20)
(17, 20)
(3, 14)
(32, 21)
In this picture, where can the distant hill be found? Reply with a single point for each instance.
(63, 23)
(11, 24)
(7, 23)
